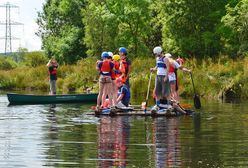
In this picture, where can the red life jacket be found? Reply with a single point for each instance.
(117, 65)
(106, 68)
(117, 72)
(54, 71)
(172, 67)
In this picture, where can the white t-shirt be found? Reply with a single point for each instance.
(161, 70)
(177, 66)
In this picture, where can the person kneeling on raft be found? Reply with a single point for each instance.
(164, 104)
(123, 94)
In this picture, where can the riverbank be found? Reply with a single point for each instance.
(223, 77)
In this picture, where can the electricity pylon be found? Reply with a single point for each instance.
(8, 27)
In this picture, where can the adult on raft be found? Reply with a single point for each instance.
(162, 87)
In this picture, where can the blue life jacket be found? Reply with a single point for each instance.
(160, 62)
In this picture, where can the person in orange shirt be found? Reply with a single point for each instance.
(125, 65)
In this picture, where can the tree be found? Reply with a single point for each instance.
(236, 22)
(190, 26)
(110, 24)
(62, 30)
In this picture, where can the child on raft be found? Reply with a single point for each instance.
(105, 67)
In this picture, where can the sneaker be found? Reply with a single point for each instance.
(97, 111)
(154, 110)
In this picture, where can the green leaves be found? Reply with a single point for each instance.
(111, 24)
(191, 28)
(62, 30)
(237, 20)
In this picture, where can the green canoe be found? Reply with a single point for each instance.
(18, 99)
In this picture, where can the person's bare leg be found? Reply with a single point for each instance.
(99, 97)
(114, 92)
(178, 108)
(108, 89)
(173, 92)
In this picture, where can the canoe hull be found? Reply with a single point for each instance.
(19, 99)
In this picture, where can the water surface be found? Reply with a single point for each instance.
(63, 136)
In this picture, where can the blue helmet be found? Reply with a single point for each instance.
(104, 55)
(123, 49)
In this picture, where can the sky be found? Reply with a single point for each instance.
(26, 14)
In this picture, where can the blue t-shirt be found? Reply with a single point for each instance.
(126, 95)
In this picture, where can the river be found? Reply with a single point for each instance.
(34, 136)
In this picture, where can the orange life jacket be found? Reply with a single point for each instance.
(117, 72)
(125, 65)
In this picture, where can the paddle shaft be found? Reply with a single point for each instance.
(192, 82)
(148, 89)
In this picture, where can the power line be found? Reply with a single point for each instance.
(8, 27)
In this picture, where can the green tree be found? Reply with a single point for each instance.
(190, 27)
(236, 22)
(62, 30)
(110, 24)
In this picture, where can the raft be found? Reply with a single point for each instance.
(138, 112)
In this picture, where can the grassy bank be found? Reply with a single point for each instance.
(213, 78)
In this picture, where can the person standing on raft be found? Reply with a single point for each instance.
(162, 87)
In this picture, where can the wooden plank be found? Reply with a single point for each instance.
(135, 113)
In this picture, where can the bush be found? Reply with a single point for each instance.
(34, 59)
(7, 63)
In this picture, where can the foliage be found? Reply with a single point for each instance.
(7, 63)
(217, 77)
(110, 24)
(190, 27)
(202, 28)
(62, 30)
(236, 22)
(34, 59)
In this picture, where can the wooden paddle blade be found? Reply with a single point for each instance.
(186, 106)
(197, 101)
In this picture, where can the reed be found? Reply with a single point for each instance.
(213, 78)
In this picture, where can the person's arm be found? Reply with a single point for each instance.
(153, 69)
(184, 69)
(56, 64)
(98, 65)
(167, 63)
(119, 98)
(49, 63)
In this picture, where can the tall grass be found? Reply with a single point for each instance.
(212, 78)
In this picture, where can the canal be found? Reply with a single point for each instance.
(35, 136)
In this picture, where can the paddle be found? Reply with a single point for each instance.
(197, 101)
(148, 89)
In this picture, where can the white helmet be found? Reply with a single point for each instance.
(110, 54)
(168, 55)
(157, 50)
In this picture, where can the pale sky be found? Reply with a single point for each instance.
(26, 14)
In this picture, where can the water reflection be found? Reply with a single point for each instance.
(113, 137)
(167, 145)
